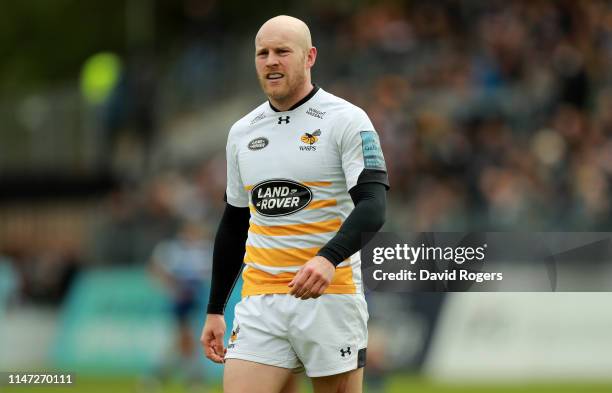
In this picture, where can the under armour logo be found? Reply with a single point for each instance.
(346, 352)
(283, 119)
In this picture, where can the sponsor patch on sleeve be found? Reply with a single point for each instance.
(372, 153)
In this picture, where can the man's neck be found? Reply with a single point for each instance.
(285, 105)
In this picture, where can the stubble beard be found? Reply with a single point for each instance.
(289, 91)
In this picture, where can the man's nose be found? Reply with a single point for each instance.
(271, 60)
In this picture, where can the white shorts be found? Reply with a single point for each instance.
(325, 336)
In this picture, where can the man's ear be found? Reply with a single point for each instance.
(311, 57)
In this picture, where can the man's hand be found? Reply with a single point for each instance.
(212, 338)
(313, 278)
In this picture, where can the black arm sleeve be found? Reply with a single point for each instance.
(370, 201)
(228, 254)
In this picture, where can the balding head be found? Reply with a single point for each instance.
(284, 56)
(286, 28)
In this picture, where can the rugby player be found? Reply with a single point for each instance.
(305, 178)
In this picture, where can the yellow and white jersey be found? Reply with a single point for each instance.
(293, 169)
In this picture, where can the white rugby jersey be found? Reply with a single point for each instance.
(293, 169)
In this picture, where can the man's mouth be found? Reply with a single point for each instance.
(274, 76)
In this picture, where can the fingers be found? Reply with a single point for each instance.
(219, 347)
(317, 290)
(306, 290)
(212, 354)
(310, 284)
(299, 280)
(213, 346)
(297, 276)
(312, 279)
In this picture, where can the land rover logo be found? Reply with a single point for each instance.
(273, 198)
(258, 143)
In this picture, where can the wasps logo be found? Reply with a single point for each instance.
(234, 335)
(310, 140)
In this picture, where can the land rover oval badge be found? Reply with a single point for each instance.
(258, 143)
(273, 198)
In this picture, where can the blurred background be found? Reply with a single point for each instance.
(493, 116)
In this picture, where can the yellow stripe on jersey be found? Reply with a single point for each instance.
(297, 229)
(279, 257)
(313, 205)
(321, 203)
(305, 183)
(258, 282)
(317, 183)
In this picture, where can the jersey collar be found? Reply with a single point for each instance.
(308, 96)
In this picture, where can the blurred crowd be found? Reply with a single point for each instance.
(493, 115)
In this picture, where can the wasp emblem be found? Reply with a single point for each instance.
(234, 335)
(311, 139)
